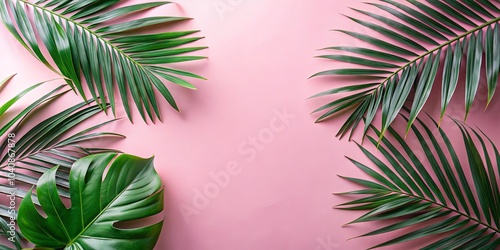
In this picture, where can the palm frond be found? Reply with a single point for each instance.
(49, 143)
(7, 105)
(81, 40)
(12, 236)
(29, 149)
(466, 208)
(406, 55)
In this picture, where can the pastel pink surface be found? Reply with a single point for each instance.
(260, 56)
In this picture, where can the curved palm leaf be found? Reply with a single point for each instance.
(408, 54)
(50, 142)
(7, 105)
(81, 40)
(13, 236)
(468, 209)
(130, 190)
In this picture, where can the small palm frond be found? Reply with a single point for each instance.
(6, 106)
(13, 236)
(25, 156)
(460, 212)
(81, 39)
(407, 56)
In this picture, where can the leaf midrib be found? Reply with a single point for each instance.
(86, 29)
(446, 207)
(438, 48)
(101, 212)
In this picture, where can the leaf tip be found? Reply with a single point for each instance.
(487, 103)
(355, 237)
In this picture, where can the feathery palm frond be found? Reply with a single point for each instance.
(13, 236)
(25, 156)
(50, 143)
(408, 55)
(6, 106)
(81, 40)
(467, 208)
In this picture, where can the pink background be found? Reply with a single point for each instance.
(260, 56)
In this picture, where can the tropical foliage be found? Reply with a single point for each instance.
(130, 190)
(36, 147)
(90, 37)
(5, 107)
(414, 40)
(5, 232)
(453, 196)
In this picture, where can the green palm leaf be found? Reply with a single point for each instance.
(467, 208)
(90, 38)
(6, 106)
(13, 236)
(407, 55)
(48, 143)
(130, 190)
(35, 147)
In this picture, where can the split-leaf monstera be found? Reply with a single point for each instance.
(90, 37)
(130, 190)
(414, 40)
(459, 207)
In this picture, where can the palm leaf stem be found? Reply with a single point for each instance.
(99, 37)
(445, 207)
(31, 154)
(484, 25)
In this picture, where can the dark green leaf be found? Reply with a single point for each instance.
(360, 61)
(451, 72)
(81, 42)
(474, 60)
(379, 43)
(492, 54)
(352, 72)
(424, 87)
(130, 190)
(370, 52)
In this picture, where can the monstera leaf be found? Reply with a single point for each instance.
(130, 190)
(455, 201)
(413, 40)
(90, 37)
